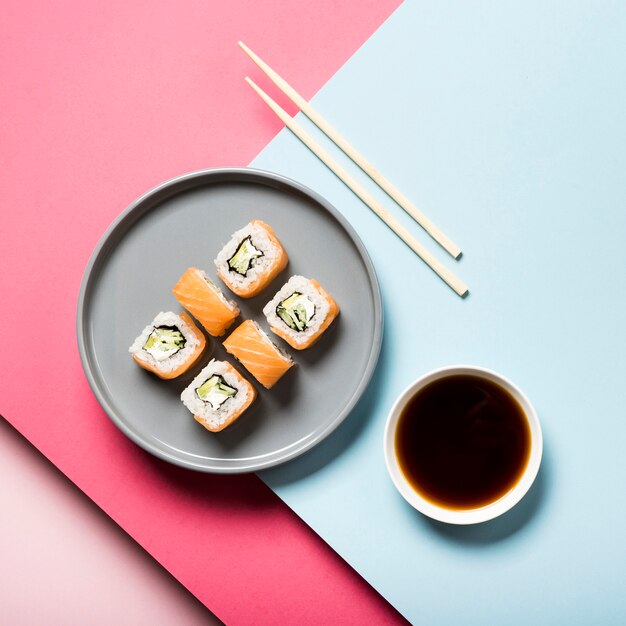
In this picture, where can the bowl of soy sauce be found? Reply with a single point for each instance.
(463, 444)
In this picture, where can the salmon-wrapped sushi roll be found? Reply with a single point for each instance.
(249, 344)
(169, 346)
(218, 395)
(251, 260)
(205, 301)
(300, 312)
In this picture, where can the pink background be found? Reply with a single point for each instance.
(65, 562)
(101, 102)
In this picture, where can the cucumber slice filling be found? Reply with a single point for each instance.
(242, 260)
(215, 391)
(164, 342)
(296, 311)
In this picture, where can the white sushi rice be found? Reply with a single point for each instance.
(176, 360)
(215, 417)
(304, 286)
(259, 266)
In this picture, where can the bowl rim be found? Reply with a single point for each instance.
(466, 516)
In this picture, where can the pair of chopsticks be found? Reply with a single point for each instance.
(447, 244)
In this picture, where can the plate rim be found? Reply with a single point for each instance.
(243, 172)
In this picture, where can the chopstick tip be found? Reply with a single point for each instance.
(245, 48)
(254, 86)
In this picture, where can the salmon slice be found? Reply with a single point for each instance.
(193, 358)
(265, 269)
(256, 352)
(204, 300)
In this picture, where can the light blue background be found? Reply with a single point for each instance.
(505, 123)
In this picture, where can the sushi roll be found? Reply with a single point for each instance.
(251, 260)
(205, 301)
(300, 312)
(250, 345)
(218, 395)
(169, 346)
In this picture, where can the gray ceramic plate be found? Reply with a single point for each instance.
(185, 222)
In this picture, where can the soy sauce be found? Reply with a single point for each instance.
(462, 442)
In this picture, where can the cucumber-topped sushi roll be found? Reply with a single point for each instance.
(251, 260)
(218, 395)
(169, 346)
(300, 312)
(249, 344)
(205, 301)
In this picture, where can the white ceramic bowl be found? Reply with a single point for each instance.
(467, 516)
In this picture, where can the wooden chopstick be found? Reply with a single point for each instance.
(443, 272)
(445, 242)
